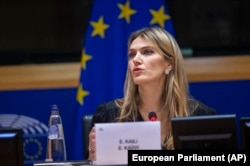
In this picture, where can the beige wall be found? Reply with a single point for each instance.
(64, 75)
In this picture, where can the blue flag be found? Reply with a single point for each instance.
(104, 55)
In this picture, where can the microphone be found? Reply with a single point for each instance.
(152, 116)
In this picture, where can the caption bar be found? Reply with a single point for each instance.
(189, 157)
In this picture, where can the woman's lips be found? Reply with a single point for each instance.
(137, 70)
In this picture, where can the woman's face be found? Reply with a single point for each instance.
(146, 64)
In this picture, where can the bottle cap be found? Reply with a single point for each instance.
(54, 109)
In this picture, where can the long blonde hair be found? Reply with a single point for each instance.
(175, 95)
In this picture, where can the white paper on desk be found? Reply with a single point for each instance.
(114, 139)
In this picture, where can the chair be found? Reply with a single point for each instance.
(86, 126)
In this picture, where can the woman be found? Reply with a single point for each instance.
(155, 81)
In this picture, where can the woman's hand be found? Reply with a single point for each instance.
(92, 144)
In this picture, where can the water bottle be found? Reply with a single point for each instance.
(56, 150)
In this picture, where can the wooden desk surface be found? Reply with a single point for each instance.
(66, 75)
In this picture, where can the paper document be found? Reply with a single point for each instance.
(113, 140)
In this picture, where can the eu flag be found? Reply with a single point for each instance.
(104, 54)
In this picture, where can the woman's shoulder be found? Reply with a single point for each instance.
(197, 107)
(108, 106)
(106, 112)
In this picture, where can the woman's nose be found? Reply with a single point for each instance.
(137, 59)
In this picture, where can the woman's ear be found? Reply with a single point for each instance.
(167, 71)
(168, 68)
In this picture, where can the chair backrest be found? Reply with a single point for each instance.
(86, 126)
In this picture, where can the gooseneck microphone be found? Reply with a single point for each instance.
(152, 116)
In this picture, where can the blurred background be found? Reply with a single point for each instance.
(45, 31)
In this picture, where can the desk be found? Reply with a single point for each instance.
(65, 163)
(68, 163)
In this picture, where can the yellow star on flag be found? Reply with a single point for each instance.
(159, 16)
(99, 27)
(126, 11)
(84, 59)
(81, 94)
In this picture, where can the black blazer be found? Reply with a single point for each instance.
(108, 111)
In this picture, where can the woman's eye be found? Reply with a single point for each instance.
(131, 55)
(148, 52)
